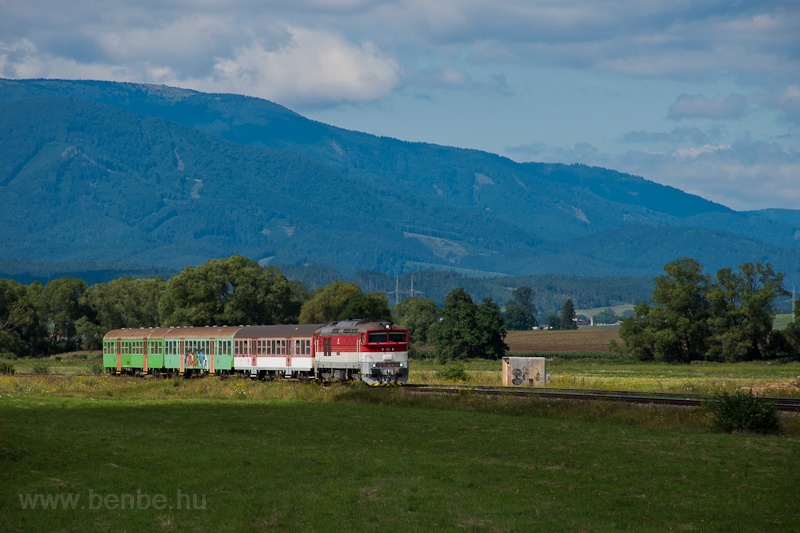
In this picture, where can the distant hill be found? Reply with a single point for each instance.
(162, 177)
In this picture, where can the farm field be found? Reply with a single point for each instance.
(593, 339)
(204, 457)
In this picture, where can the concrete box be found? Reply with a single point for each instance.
(524, 371)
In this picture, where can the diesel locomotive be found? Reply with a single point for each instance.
(375, 352)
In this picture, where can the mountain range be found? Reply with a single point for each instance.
(162, 177)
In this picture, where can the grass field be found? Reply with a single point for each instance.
(207, 458)
(143, 454)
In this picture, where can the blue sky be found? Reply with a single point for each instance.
(703, 95)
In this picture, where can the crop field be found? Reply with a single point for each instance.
(592, 340)
(109, 454)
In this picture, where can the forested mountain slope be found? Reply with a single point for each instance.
(102, 171)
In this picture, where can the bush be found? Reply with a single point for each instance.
(452, 373)
(6, 368)
(41, 368)
(742, 411)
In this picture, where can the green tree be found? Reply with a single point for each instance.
(792, 333)
(21, 326)
(467, 330)
(520, 310)
(567, 318)
(742, 311)
(373, 305)
(229, 291)
(491, 332)
(126, 303)
(674, 327)
(637, 334)
(328, 303)
(455, 335)
(606, 316)
(64, 304)
(682, 311)
(418, 315)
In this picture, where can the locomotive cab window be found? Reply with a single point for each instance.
(397, 336)
(377, 336)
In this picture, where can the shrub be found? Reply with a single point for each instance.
(742, 411)
(453, 373)
(41, 368)
(6, 368)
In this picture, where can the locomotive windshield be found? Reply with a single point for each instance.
(377, 336)
(397, 336)
(383, 336)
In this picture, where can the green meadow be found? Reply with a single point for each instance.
(106, 454)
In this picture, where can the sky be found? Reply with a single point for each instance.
(702, 95)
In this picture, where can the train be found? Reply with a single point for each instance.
(372, 351)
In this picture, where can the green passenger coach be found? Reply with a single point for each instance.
(182, 351)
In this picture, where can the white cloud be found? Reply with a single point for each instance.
(743, 175)
(697, 151)
(313, 67)
(787, 103)
(290, 65)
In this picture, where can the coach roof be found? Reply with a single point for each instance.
(277, 331)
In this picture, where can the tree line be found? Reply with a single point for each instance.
(694, 316)
(690, 316)
(67, 314)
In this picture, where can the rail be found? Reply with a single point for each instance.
(666, 398)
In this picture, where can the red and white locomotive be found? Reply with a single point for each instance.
(375, 352)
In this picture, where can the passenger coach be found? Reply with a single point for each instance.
(372, 351)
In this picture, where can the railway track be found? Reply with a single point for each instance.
(667, 398)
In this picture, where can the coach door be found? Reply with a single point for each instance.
(119, 356)
(289, 350)
(181, 357)
(212, 350)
